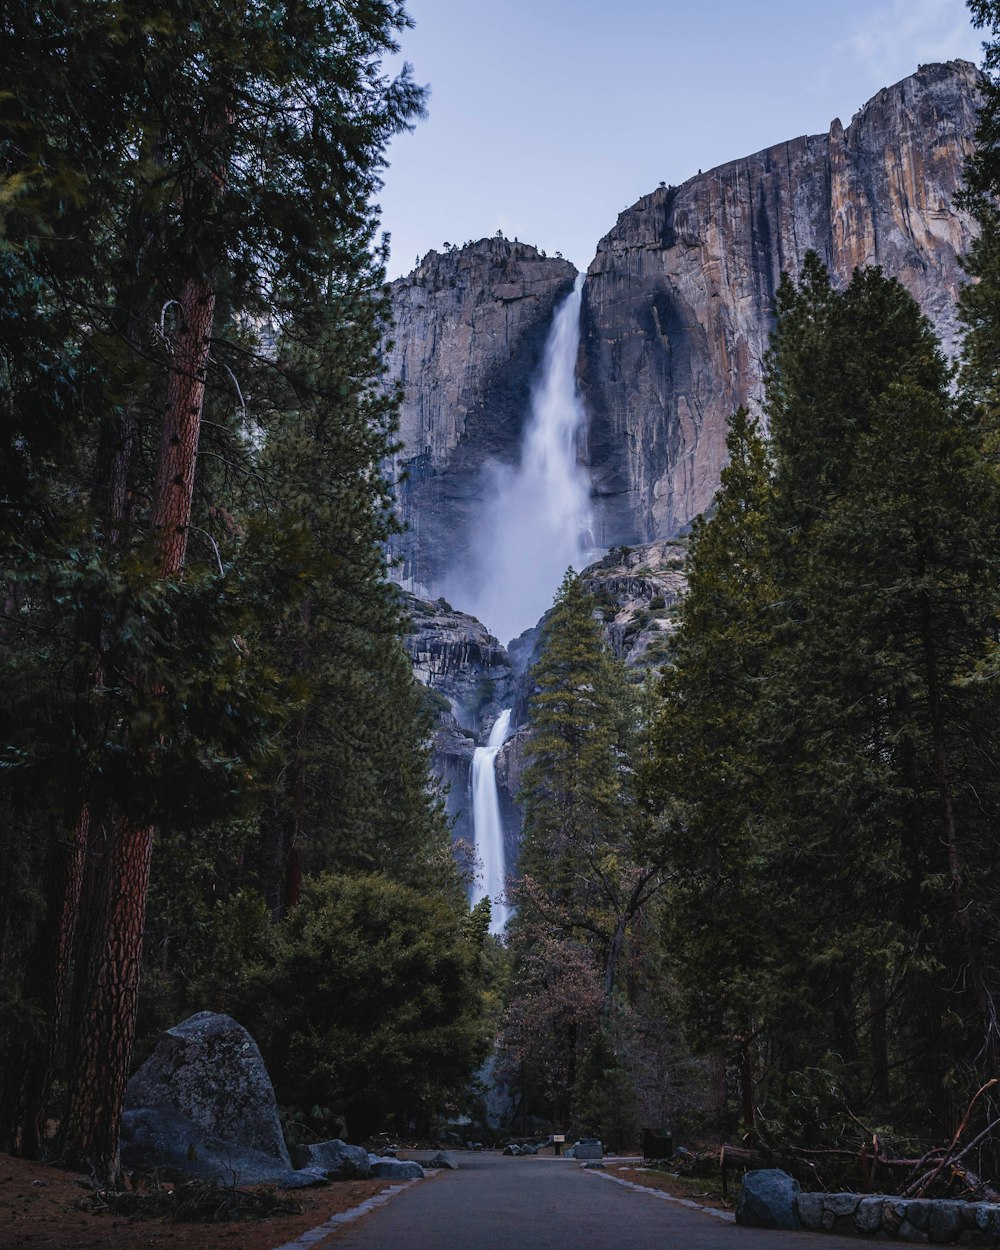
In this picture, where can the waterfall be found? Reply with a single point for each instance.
(487, 825)
(537, 521)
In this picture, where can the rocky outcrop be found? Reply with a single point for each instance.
(471, 681)
(638, 590)
(679, 300)
(470, 326)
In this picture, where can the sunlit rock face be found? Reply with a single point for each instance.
(678, 302)
(470, 328)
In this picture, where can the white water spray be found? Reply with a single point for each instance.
(538, 521)
(488, 827)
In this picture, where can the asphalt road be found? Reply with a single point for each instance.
(497, 1203)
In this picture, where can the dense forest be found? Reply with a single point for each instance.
(757, 891)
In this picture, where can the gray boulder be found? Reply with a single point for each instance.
(443, 1160)
(152, 1140)
(395, 1169)
(203, 1103)
(337, 1159)
(768, 1199)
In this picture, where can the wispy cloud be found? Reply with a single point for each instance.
(899, 35)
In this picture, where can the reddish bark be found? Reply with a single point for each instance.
(100, 1062)
(174, 488)
(105, 1024)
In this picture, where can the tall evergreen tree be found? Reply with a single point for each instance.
(824, 761)
(170, 179)
(705, 776)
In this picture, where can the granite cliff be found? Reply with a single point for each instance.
(470, 326)
(678, 301)
(677, 310)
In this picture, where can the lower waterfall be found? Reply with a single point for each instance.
(488, 827)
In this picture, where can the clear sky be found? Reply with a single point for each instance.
(546, 118)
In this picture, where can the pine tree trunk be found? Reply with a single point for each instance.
(174, 489)
(102, 1041)
(108, 1006)
(56, 953)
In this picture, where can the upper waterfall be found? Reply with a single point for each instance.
(537, 520)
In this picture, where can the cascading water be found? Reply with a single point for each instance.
(537, 524)
(487, 825)
(538, 519)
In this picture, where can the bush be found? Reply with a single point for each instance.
(372, 1006)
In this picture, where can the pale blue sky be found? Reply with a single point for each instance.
(548, 117)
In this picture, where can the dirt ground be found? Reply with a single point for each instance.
(43, 1208)
(678, 1187)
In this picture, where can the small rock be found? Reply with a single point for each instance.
(946, 1221)
(396, 1170)
(443, 1160)
(868, 1216)
(810, 1209)
(910, 1232)
(302, 1178)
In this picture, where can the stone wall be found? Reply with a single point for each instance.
(917, 1220)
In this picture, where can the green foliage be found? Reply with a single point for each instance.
(258, 708)
(371, 1004)
(822, 770)
(585, 880)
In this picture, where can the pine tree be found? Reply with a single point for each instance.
(885, 530)
(170, 179)
(705, 776)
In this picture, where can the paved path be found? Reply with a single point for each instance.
(496, 1203)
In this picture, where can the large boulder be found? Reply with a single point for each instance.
(203, 1102)
(768, 1199)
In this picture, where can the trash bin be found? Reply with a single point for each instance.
(657, 1143)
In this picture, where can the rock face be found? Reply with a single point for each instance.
(203, 1102)
(470, 673)
(678, 302)
(639, 590)
(470, 326)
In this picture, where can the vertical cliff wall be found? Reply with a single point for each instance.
(471, 324)
(678, 301)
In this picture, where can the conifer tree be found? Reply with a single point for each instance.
(705, 777)
(170, 179)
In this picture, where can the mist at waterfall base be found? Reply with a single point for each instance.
(488, 826)
(537, 519)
